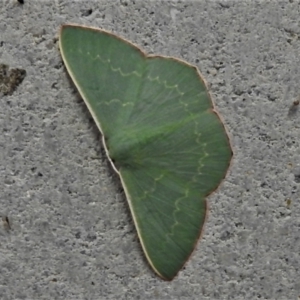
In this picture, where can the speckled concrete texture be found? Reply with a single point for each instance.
(71, 235)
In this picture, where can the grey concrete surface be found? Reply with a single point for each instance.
(71, 235)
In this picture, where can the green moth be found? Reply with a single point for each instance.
(161, 134)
